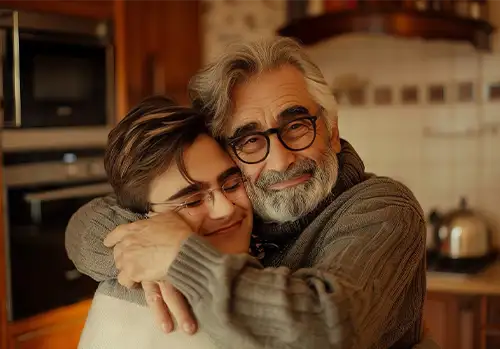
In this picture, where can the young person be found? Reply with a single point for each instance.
(161, 160)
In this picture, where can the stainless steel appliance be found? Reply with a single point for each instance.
(464, 233)
(57, 75)
(462, 240)
(43, 189)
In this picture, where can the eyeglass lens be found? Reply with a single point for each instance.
(296, 135)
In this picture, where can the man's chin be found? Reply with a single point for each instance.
(286, 208)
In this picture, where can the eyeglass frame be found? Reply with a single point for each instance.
(231, 142)
(207, 192)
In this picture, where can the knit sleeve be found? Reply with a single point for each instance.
(366, 284)
(85, 234)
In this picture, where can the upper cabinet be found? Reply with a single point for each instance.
(95, 9)
(157, 44)
(454, 20)
(158, 49)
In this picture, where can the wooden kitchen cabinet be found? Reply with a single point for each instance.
(95, 8)
(453, 320)
(492, 339)
(493, 311)
(57, 329)
(157, 43)
(158, 49)
(490, 323)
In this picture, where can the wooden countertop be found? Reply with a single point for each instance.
(484, 283)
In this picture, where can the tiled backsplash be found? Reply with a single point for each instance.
(442, 151)
(394, 138)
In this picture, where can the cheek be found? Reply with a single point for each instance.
(252, 171)
(245, 205)
(317, 149)
(194, 222)
(313, 153)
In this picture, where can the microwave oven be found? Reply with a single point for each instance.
(57, 75)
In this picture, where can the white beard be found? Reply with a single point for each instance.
(292, 203)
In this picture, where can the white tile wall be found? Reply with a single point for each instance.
(390, 138)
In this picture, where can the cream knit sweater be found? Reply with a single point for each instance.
(115, 323)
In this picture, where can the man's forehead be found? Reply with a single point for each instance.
(263, 118)
(268, 93)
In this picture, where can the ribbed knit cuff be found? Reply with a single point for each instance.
(197, 265)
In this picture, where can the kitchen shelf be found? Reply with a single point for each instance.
(429, 25)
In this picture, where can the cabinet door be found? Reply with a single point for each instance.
(453, 321)
(94, 9)
(493, 311)
(493, 339)
(158, 49)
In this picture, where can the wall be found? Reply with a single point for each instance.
(226, 21)
(391, 138)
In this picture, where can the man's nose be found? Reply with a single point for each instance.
(219, 206)
(279, 158)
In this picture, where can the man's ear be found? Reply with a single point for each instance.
(335, 139)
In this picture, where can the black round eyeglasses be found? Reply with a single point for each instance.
(296, 135)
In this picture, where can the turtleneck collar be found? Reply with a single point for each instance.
(351, 172)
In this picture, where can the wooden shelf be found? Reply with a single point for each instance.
(403, 23)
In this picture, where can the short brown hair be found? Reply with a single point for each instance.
(151, 137)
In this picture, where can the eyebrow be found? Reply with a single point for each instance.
(190, 189)
(286, 115)
(197, 186)
(293, 112)
(245, 129)
(235, 170)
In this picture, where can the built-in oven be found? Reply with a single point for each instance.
(57, 75)
(42, 190)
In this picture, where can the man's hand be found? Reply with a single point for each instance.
(165, 301)
(144, 250)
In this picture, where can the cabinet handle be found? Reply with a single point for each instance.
(158, 77)
(154, 76)
(147, 76)
(16, 69)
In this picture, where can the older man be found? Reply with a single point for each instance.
(343, 249)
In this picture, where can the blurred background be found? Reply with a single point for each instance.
(418, 88)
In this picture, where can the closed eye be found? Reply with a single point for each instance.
(192, 201)
(233, 184)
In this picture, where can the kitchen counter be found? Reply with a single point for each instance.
(483, 283)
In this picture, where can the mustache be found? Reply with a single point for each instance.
(299, 168)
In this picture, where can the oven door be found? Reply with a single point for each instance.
(42, 276)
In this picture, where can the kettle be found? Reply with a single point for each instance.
(462, 234)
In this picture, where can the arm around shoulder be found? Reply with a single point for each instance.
(86, 231)
(365, 284)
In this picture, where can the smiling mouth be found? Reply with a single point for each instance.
(225, 229)
(291, 182)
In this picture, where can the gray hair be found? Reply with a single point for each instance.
(211, 89)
